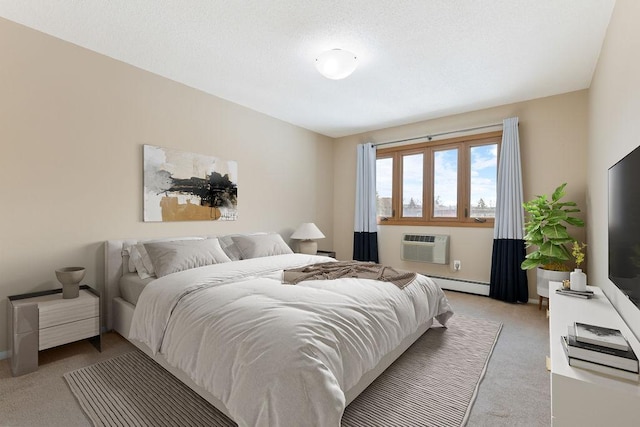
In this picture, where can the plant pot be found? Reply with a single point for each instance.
(543, 278)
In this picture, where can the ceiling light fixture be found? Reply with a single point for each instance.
(336, 64)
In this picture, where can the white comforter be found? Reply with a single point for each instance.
(274, 354)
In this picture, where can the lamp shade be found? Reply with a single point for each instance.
(307, 231)
(336, 64)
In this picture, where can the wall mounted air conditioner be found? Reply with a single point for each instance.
(433, 248)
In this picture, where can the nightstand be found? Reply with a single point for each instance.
(331, 254)
(42, 320)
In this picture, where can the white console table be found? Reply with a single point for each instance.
(580, 397)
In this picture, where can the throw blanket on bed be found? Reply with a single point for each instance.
(337, 270)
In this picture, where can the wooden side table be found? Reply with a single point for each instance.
(42, 320)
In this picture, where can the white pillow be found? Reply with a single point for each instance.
(261, 245)
(143, 263)
(133, 254)
(171, 257)
(146, 261)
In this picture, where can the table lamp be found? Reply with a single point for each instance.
(307, 233)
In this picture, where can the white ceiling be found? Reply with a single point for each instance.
(418, 59)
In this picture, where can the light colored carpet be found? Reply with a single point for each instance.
(434, 383)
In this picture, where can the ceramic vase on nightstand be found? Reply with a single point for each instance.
(578, 280)
(70, 277)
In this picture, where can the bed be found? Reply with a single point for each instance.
(263, 352)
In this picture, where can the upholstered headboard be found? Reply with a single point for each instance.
(115, 261)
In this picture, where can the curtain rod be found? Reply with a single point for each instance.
(430, 137)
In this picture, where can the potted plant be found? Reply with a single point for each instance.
(546, 231)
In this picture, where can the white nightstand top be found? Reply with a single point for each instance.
(53, 300)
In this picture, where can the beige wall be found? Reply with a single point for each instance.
(614, 131)
(72, 126)
(553, 139)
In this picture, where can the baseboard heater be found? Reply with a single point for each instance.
(468, 286)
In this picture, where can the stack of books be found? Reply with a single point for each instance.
(602, 350)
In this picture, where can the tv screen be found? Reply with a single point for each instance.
(624, 225)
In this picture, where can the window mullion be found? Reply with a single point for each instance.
(397, 186)
(427, 182)
(463, 176)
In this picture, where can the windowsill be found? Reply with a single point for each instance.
(474, 224)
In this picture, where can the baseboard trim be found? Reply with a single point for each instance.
(468, 286)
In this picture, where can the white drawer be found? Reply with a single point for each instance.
(59, 311)
(69, 332)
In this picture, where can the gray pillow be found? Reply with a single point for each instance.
(171, 257)
(137, 254)
(230, 248)
(261, 245)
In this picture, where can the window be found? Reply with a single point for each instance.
(384, 183)
(439, 182)
(482, 185)
(445, 183)
(412, 185)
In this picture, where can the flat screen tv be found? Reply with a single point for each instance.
(624, 225)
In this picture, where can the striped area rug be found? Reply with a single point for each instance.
(434, 383)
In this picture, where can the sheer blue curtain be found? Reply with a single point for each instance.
(508, 280)
(365, 236)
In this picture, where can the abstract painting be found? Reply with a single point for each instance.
(183, 186)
